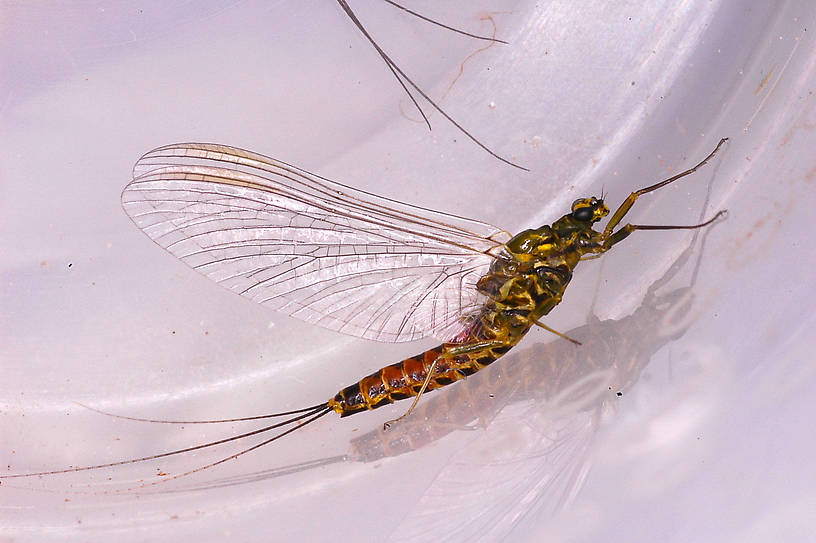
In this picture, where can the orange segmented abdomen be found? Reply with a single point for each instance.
(404, 379)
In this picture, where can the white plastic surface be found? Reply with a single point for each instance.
(711, 437)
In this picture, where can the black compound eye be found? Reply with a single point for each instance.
(585, 214)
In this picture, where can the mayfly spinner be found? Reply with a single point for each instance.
(363, 265)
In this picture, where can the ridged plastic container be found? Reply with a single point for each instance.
(686, 414)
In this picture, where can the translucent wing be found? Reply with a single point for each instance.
(512, 475)
(320, 251)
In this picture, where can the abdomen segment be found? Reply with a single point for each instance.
(404, 379)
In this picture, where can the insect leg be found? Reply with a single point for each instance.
(624, 232)
(556, 332)
(422, 389)
(630, 200)
(468, 348)
(454, 350)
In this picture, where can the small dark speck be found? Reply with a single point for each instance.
(70, 264)
(630, 18)
(633, 83)
(619, 394)
(173, 332)
(490, 396)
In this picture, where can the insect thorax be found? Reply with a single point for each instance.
(523, 286)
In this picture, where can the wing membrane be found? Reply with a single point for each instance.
(318, 250)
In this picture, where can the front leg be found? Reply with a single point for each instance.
(609, 240)
(627, 204)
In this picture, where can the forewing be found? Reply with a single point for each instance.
(320, 251)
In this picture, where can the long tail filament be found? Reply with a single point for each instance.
(307, 415)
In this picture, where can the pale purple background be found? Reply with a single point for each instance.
(714, 443)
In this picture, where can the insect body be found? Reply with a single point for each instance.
(363, 265)
(526, 281)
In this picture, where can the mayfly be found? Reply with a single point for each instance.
(559, 379)
(363, 265)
